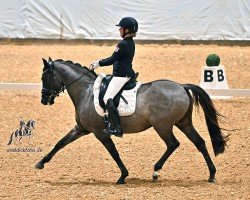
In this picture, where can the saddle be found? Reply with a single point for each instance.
(104, 86)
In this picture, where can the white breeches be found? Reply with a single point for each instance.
(114, 87)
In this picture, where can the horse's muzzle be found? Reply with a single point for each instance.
(47, 100)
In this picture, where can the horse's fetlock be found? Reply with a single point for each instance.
(212, 169)
(157, 167)
(125, 173)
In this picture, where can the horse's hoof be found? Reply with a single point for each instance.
(211, 180)
(39, 166)
(155, 177)
(120, 181)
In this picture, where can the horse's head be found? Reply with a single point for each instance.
(31, 124)
(51, 84)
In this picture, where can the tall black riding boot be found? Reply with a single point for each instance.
(115, 129)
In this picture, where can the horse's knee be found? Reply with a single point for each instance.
(60, 145)
(63, 142)
(157, 167)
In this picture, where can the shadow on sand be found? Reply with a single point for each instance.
(134, 182)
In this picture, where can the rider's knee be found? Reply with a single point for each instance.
(106, 99)
(110, 102)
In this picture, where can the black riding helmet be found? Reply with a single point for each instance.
(128, 23)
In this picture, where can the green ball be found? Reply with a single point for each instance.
(213, 60)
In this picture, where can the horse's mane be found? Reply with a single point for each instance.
(72, 64)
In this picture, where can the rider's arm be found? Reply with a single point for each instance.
(115, 56)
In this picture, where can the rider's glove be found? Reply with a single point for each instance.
(94, 65)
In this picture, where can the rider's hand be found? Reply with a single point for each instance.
(94, 65)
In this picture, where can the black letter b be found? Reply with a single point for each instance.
(208, 76)
(220, 75)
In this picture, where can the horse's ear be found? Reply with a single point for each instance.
(50, 64)
(45, 63)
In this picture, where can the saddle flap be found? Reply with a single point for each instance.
(103, 88)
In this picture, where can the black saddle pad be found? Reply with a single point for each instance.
(104, 86)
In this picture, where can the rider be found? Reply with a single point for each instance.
(122, 69)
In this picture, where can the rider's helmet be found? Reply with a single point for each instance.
(129, 23)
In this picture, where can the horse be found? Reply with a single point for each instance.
(161, 104)
(24, 130)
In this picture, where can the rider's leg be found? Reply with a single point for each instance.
(115, 86)
(114, 117)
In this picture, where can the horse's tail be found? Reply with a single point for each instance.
(211, 115)
(11, 138)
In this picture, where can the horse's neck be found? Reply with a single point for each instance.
(78, 87)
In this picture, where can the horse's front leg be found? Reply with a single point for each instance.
(74, 134)
(110, 146)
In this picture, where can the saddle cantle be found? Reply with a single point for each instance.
(125, 100)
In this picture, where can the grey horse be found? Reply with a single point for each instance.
(160, 104)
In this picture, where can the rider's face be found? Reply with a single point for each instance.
(122, 31)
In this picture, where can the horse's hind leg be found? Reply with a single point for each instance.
(74, 134)
(172, 143)
(197, 140)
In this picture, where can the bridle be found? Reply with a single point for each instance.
(55, 93)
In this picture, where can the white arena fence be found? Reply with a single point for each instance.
(213, 92)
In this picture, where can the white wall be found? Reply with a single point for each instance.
(96, 19)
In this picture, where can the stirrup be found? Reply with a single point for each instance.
(116, 131)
